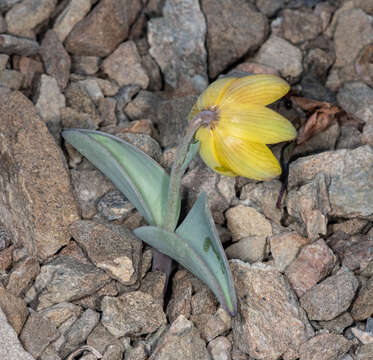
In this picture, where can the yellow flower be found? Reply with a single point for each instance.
(234, 142)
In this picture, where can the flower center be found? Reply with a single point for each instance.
(210, 117)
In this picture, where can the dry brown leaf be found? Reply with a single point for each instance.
(323, 115)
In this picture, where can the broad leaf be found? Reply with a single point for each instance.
(142, 180)
(196, 246)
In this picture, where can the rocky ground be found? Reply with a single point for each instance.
(75, 282)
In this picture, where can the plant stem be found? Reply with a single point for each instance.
(177, 171)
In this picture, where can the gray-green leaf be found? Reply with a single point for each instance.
(141, 179)
(197, 247)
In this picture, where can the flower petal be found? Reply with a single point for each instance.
(212, 96)
(260, 89)
(251, 160)
(255, 123)
(208, 152)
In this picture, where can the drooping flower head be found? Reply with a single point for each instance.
(234, 141)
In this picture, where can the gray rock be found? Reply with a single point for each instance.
(172, 129)
(181, 341)
(37, 334)
(285, 247)
(350, 138)
(14, 308)
(79, 98)
(177, 44)
(37, 203)
(318, 62)
(10, 347)
(282, 56)
(113, 352)
(143, 105)
(357, 99)
(355, 252)
(181, 300)
(79, 331)
(112, 248)
(353, 31)
(91, 88)
(11, 45)
(269, 7)
(338, 324)
(220, 190)
(89, 186)
(48, 101)
(85, 65)
(145, 143)
(244, 221)
(350, 190)
(216, 325)
(310, 205)
(108, 88)
(73, 12)
(365, 352)
(7, 4)
(24, 17)
(59, 313)
(124, 66)
(71, 118)
(22, 275)
(136, 353)
(66, 279)
(220, 348)
(56, 60)
(314, 262)
(101, 339)
(4, 58)
(263, 196)
(331, 297)
(224, 47)
(270, 321)
(153, 71)
(114, 206)
(154, 284)
(300, 25)
(11, 79)
(93, 37)
(325, 347)
(362, 307)
(249, 249)
(134, 313)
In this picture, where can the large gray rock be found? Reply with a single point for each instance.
(226, 43)
(177, 44)
(181, 341)
(270, 321)
(36, 201)
(99, 33)
(351, 179)
(66, 278)
(112, 248)
(10, 347)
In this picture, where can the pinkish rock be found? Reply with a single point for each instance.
(315, 262)
(124, 66)
(99, 33)
(285, 247)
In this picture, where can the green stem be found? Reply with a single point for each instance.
(177, 171)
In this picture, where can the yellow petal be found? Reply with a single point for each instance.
(251, 160)
(208, 152)
(212, 96)
(255, 89)
(255, 123)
